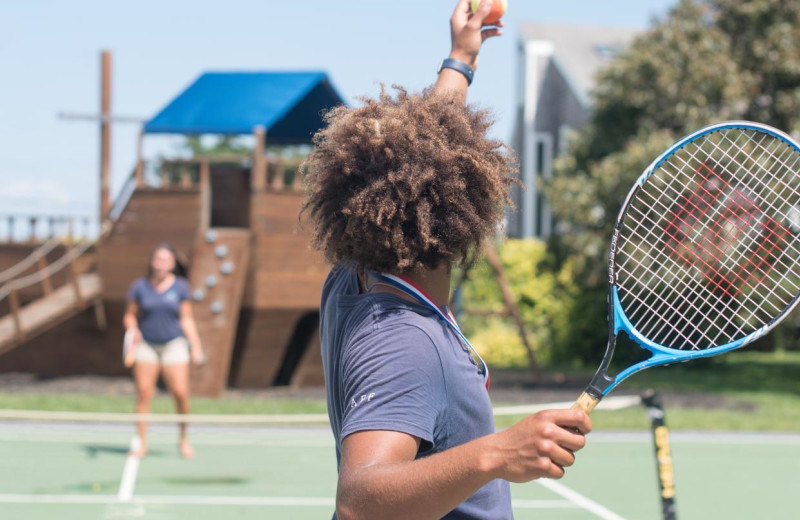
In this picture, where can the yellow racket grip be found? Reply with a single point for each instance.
(585, 402)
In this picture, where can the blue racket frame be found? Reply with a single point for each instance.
(602, 383)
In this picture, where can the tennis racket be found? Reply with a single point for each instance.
(128, 349)
(704, 254)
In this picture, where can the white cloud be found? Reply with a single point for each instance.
(35, 194)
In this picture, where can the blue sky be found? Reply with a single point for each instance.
(49, 61)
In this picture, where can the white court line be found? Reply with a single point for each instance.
(609, 403)
(229, 501)
(167, 500)
(197, 440)
(156, 418)
(543, 504)
(580, 500)
(129, 472)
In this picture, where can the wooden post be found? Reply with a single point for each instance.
(297, 183)
(280, 172)
(140, 160)
(41, 263)
(105, 135)
(100, 315)
(70, 229)
(205, 195)
(32, 237)
(186, 177)
(73, 275)
(13, 300)
(10, 239)
(258, 175)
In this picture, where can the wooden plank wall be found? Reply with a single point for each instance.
(262, 347)
(73, 348)
(288, 273)
(152, 216)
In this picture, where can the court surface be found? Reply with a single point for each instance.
(71, 471)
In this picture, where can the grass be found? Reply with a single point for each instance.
(742, 391)
(161, 404)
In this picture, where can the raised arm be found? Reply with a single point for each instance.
(466, 37)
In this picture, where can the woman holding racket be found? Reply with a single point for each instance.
(400, 190)
(164, 338)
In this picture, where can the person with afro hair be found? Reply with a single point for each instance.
(399, 191)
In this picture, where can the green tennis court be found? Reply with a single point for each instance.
(71, 471)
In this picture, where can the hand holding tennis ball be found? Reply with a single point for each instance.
(498, 10)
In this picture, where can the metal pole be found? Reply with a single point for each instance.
(666, 475)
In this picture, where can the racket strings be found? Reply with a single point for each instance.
(732, 209)
(703, 256)
(766, 202)
(690, 288)
(773, 228)
(772, 247)
(766, 239)
(652, 312)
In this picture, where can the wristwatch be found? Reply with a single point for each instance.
(460, 66)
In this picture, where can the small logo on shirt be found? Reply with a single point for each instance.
(171, 296)
(363, 399)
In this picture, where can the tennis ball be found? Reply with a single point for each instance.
(498, 10)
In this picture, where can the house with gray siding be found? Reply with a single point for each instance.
(556, 72)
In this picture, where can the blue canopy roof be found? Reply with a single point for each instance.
(287, 104)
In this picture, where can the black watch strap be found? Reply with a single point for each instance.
(460, 66)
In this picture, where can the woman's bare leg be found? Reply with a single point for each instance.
(146, 376)
(177, 379)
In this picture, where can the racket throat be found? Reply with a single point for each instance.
(601, 383)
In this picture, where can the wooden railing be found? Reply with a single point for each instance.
(37, 257)
(43, 277)
(35, 229)
(283, 174)
(12, 281)
(277, 174)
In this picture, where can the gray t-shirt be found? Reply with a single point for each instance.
(159, 313)
(391, 364)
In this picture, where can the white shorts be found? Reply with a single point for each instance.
(174, 352)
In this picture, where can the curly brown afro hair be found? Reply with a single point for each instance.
(406, 182)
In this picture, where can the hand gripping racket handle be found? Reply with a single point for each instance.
(585, 402)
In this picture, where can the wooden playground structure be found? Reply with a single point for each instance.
(234, 221)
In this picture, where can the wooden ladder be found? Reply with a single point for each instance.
(217, 278)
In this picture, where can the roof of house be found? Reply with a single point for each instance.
(580, 50)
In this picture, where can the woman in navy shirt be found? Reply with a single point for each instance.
(159, 316)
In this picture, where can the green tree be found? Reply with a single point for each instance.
(706, 61)
(543, 298)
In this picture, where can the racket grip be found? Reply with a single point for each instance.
(585, 402)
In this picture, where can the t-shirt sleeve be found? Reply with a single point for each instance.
(393, 380)
(183, 289)
(134, 292)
